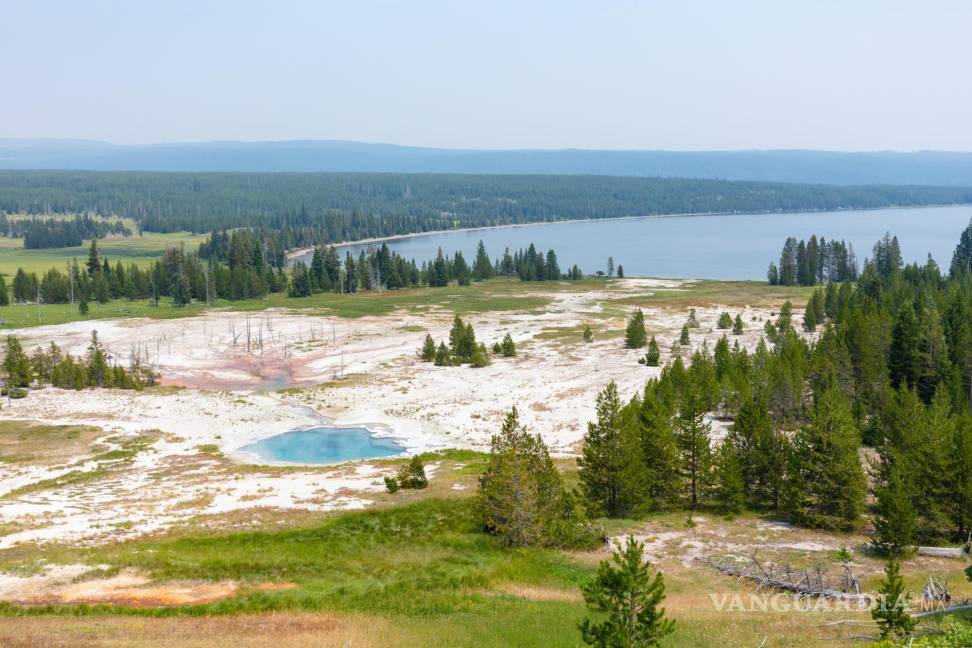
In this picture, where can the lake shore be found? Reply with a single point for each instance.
(297, 252)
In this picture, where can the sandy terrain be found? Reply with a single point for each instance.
(230, 365)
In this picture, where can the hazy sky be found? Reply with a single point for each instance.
(665, 74)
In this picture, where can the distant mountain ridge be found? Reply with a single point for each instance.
(803, 166)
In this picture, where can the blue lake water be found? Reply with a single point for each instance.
(324, 445)
(735, 246)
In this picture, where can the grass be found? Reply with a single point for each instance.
(141, 250)
(488, 296)
(29, 443)
(497, 295)
(414, 574)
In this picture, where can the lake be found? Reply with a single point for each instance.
(323, 445)
(736, 246)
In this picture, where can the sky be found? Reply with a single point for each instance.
(685, 75)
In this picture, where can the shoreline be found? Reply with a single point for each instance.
(296, 253)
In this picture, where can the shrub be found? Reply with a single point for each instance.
(411, 475)
(725, 321)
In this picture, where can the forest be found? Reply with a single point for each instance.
(889, 369)
(305, 209)
(236, 265)
(44, 233)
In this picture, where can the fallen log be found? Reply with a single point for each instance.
(804, 583)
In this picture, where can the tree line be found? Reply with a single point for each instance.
(305, 209)
(808, 263)
(41, 233)
(52, 366)
(241, 265)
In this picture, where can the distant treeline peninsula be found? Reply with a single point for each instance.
(305, 209)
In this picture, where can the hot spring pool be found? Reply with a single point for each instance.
(324, 445)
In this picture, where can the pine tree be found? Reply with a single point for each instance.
(891, 612)
(479, 357)
(761, 451)
(737, 326)
(653, 356)
(98, 371)
(729, 478)
(659, 449)
(4, 295)
(427, 352)
(693, 320)
(442, 356)
(810, 317)
(521, 495)
(16, 364)
(94, 261)
(507, 348)
(412, 474)
(692, 437)
(612, 471)
(588, 333)
(894, 526)
(825, 482)
(620, 271)
(634, 334)
(683, 338)
(725, 321)
(625, 591)
(482, 268)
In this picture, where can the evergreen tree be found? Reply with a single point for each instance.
(442, 356)
(737, 326)
(479, 357)
(412, 474)
(659, 448)
(761, 452)
(521, 494)
(4, 296)
(588, 333)
(625, 591)
(94, 261)
(98, 370)
(729, 477)
(634, 334)
(683, 338)
(894, 526)
(620, 271)
(773, 275)
(16, 365)
(692, 436)
(810, 316)
(653, 356)
(427, 352)
(482, 268)
(507, 348)
(725, 321)
(825, 482)
(891, 611)
(612, 471)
